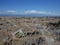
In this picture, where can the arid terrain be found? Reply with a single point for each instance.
(29, 30)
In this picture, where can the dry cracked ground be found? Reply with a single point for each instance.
(29, 30)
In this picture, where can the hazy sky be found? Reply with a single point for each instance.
(30, 7)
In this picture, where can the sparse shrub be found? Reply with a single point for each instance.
(58, 38)
(33, 43)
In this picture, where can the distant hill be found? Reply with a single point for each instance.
(30, 15)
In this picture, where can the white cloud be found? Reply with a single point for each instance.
(11, 11)
(8, 12)
(29, 12)
(35, 12)
(39, 12)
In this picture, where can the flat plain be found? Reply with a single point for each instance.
(29, 30)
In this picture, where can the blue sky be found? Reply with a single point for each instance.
(51, 7)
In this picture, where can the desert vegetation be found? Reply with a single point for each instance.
(29, 30)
